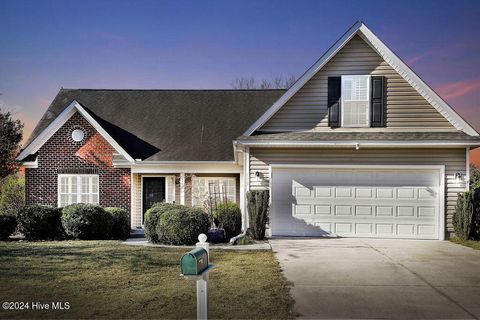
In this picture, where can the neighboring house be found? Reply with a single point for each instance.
(358, 146)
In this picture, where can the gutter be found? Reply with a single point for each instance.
(351, 143)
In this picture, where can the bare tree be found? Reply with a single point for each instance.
(278, 82)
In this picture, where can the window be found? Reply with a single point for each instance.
(80, 188)
(220, 187)
(355, 101)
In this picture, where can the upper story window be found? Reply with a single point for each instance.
(355, 95)
(77, 188)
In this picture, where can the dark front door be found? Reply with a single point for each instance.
(153, 192)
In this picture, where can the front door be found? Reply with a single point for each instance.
(153, 192)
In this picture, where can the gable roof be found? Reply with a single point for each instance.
(159, 125)
(389, 56)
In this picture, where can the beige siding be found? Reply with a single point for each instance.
(136, 201)
(406, 108)
(453, 159)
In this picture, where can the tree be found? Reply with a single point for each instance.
(12, 195)
(10, 137)
(278, 82)
(474, 177)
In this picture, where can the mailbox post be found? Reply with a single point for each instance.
(195, 266)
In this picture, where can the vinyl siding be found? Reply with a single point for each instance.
(406, 108)
(453, 159)
(136, 218)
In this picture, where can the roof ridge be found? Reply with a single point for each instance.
(110, 89)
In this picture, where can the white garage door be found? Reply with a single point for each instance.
(383, 203)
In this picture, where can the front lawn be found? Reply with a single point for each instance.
(105, 279)
(468, 243)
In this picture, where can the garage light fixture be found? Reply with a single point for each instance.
(458, 176)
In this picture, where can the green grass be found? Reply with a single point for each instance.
(467, 243)
(105, 279)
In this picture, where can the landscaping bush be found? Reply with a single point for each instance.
(87, 222)
(229, 217)
(121, 223)
(257, 202)
(38, 222)
(151, 219)
(8, 223)
(475, 227)
(12, 195)
(474, 178)
(181, 225)
(466, 218)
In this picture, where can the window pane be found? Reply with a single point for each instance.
(84, 198)
(73, 184)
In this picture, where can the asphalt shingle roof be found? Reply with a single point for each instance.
(169, 125)
(362, 136)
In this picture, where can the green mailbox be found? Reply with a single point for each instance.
(194, 262)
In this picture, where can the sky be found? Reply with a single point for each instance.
(47, 45)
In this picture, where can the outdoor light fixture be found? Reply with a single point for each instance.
(357, 146)
(458, 176)
(257, 174)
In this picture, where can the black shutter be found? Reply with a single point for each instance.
(334, 93)
(377, 110)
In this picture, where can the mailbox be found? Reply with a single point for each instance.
(194, 262)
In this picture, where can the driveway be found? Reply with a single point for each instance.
(370, 278)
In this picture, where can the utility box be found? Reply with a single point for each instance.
(194, 262)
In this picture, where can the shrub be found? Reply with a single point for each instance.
(8, 223)
(229, 217)
(121, 223)
(181, 225)
(474, 177)
(475, 227)
(12, 195)
(38, 222)
(466, 215)
(257, 202)
(87, 222)
(151, 219)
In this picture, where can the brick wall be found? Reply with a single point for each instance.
(61, 154)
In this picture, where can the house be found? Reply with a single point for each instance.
(358, 146)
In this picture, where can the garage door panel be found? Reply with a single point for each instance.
(360, 203)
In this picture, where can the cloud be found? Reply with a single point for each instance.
(413, 60)
(458, 89)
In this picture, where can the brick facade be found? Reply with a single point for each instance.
(61, 154)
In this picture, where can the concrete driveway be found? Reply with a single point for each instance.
(367, 278)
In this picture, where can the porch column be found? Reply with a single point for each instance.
(182, 188)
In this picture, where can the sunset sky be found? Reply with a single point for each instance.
(46, 45)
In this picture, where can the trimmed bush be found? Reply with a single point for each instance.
(87, 222)
(8, 224)
(229, 217)
(38, 222)
(257, 201)
(12, 195)
(121, 223)
(181, 225)
(151, 219)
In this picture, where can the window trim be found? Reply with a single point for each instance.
(79, 186)
(214, 177)
(369, 100)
